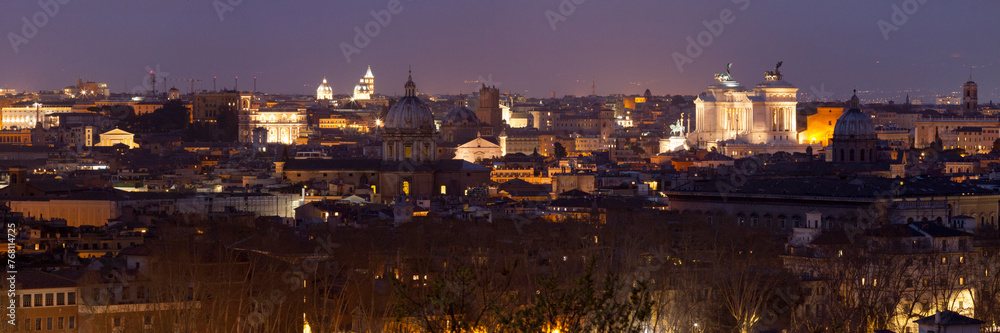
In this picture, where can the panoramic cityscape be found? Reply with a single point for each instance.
(552, 166)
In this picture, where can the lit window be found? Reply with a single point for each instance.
(444, 189)
(406, 188)
(408, 152)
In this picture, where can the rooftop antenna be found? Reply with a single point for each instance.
(152, 81)
(213, 83)
(255, 84)
(593, 86)
(236, 86)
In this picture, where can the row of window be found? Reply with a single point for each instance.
(48, 299)
(741, 220)
(104, 246)
(59, 323)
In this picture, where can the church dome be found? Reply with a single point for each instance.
(461, 114)
(324, 91)
(409, 112)
(854, 124)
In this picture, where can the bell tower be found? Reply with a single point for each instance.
(970, 96)
(489, 108)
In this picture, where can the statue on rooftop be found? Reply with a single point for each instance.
(677, 129)
(725, 77)
(774, 75)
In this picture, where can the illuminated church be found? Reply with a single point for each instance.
(409, 166)
(324, 91)
(738, 122)
(366, 87)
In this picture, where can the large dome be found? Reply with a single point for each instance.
(854, 124)
(324, 91)
(409, 112)
(461, 114)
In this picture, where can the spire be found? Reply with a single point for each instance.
(369, 74)
(855, 101)
(411, 88)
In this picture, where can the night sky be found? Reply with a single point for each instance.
(828, 47)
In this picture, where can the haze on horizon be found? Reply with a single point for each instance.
(624, 46)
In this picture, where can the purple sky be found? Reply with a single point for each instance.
(627, 45)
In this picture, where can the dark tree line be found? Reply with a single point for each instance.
(175, 117)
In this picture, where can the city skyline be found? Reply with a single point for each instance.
(532, 48)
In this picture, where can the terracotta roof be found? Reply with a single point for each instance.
(32, 279)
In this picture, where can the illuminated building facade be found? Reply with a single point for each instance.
(208, 106)
(528, 142)
(324, 91)
(45, 302)
(15, 137)
(27, 114)
(409, 132)
(173, 93)
(410, 165)
(87, 90)
(283, 125)
(927, 129)
(117, 136)
(819, 126)
(142, 108)
(971, 139)
(366, 87)
(342, 122)
(592, 123)
(762, 116)
(477, 150)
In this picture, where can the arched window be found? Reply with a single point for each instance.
(852, 154)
